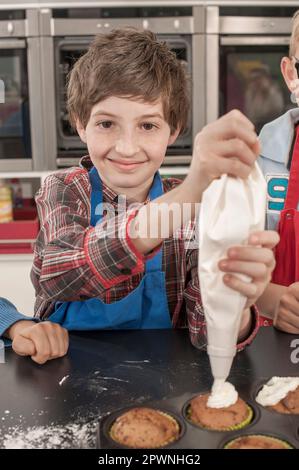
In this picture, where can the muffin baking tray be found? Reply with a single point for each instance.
(266, 422)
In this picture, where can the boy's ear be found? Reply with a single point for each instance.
(288, 71)
(81, 131)
(173, 137)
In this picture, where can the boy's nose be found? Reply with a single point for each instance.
(127, 145)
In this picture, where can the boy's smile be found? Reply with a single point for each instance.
(125, 165)
(127, 141)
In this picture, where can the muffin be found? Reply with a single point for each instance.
(219, 419)
(257, 441)
(289, 404)
(144, 428)
(280, 394)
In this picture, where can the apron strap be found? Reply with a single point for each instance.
(292, 198)
(96, 197)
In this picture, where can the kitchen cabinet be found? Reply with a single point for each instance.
(15, 282)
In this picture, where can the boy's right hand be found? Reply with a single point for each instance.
(226, 146)
(42, 341)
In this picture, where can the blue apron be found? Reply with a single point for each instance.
(144, 307)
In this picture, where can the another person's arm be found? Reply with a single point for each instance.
(10, 315)
(40, 340)
(281, 303)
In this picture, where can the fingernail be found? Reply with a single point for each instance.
(232, 253)
(223, 264)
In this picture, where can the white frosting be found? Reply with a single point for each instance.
(276, 389)
(223, 395)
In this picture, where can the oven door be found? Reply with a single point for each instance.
(22, 124)
(250, 78)
(15, 138)
(243, 72)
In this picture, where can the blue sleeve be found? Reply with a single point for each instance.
(10, 315)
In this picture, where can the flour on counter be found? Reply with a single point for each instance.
(63, 379)
(70, 436)
(137, 362)
(109, 378)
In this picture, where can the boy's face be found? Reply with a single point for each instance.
(127, 141)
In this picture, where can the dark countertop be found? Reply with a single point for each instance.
(105, 371)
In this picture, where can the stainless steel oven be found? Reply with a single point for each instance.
(21, 130)
(66, 34)
(244, 49)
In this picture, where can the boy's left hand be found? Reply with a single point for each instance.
(255, 260)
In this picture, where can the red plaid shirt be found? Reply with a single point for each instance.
(75, 261)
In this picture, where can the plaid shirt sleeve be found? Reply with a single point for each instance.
(192, 297)
(74, 261)
(194, 307)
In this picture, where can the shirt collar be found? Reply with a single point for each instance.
(276, 138)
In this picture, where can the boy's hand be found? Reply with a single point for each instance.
(226, 146)
(42, 341)
(255, 260)
(287, 315)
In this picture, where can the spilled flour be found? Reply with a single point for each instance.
(70, 436)
(63, 379)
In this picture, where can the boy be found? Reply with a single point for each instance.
(127, 99)
(280, 163)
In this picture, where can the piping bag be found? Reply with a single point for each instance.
(230, 210)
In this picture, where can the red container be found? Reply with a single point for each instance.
(19, 236)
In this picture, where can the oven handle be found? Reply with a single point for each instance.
(12, 44)
(254, 40)
(166, 25)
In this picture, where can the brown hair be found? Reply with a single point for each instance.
(128, 63)
(295, 34)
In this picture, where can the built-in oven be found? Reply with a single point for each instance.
(21, 131)
(66, 35)
(244, 49)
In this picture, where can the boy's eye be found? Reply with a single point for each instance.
(105, 124)
(148, 126)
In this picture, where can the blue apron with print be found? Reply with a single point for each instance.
(145, 307)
